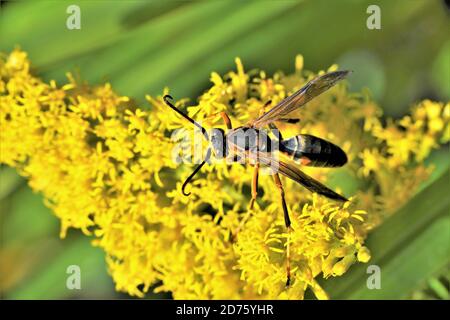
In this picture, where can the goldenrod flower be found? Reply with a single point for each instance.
(105, 166)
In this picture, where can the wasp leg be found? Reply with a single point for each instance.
(287, 222)
(227, 120)
(254, 185)
(224, 117)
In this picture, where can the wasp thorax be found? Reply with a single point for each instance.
(250, 139)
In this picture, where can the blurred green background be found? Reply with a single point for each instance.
(143, 46)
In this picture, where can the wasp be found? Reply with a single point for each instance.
(253, 143)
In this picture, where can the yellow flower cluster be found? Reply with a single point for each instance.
(105, 166)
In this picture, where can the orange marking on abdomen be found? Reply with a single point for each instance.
(304, 161)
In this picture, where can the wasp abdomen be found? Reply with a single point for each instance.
(313, 151)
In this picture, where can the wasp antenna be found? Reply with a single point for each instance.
(186, 194)
(184, 115)
(208, 155)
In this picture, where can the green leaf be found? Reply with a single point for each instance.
(26, 218)
(409, 247)
(438, 288)
(39, 27)
(440, 72)
(9, 181)
(415, 262)
(142, 44)
(48, 281)
(439, 161)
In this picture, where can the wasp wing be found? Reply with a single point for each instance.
(291, 171)
(312, 89)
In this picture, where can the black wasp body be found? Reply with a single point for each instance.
(304, 149)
